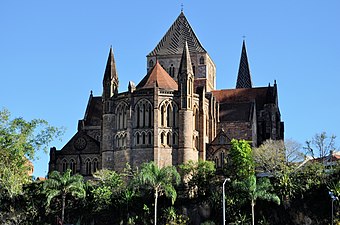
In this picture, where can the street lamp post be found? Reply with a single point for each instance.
(333, 199)
(227, 179)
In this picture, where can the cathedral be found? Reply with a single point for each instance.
(173, 115)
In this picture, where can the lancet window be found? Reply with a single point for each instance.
(144, 114)
(73, 166)
(121, 113)
(169, 114)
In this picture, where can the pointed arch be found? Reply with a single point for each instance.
(64, 165)
(95, 164)
(143, 113)
(88, 169)
(73, 166)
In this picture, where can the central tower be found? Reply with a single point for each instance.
(169, 50)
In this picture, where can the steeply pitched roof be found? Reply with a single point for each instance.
(158, 77)
(236, 111)
(174, 39)
(93, 111)
(244, 77)
(261, 95)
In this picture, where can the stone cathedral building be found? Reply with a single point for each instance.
(173, 115)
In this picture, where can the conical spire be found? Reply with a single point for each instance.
(244, 77)
(185, 68)
(110, 80)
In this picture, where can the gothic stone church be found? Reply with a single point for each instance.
(173, 115)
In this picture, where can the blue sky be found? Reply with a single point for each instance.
(53, 53)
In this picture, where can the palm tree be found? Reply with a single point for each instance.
(62, 185)
(254, 191)
(160, 180)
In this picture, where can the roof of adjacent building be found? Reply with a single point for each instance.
(241, 111)
(158, 77)
(173, 41)
(261, 95)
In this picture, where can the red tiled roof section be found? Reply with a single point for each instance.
(158, 77)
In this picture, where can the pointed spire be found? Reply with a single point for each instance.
(244, 77)
(173, 41)
(110, 80)
(185, 67)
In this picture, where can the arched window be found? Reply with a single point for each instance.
(124, 141)
(162, 138)
(222, 159)
(138, 115)
(73, 166)
(137, 139)
(150, 63)
(149, 115)
(143, 138)
(124, 118)
(64, 165)
(121, 116)
(88, 166)
(143, 111)
(196, 118)
(95, 164)
(168, 139)
(172, 70)
(169, 116)
(162, 115)
(149, 138)
(202, 60)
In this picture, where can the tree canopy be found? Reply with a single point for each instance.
(19, 142)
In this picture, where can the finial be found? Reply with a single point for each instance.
(182, 7)
(91, 93)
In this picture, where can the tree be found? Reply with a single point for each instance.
(62, 185)
(275, 156)
(322, 144)
(257, 190)
(19, 142)
(199, 176)
(160, 181)
(107, 183)
(242, 161)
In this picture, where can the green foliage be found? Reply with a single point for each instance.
(106, 185)
(19, 142)
(242, 161)
(160, 181)
(170, 217)
(63, 185)
(199, 177)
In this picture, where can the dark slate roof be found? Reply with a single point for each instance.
(173, 41)
(158, 77)
(244, 77)
(236, 111)
(94, 111)
(260, 95)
